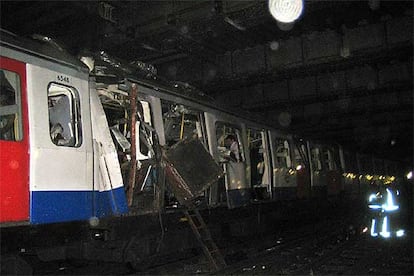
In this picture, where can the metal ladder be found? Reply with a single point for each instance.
(200, 229)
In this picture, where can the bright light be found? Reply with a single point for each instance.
(400, 233)
(286, 11)
(298, 167)
(365, 230)
(369, 177)
(351, 175)
(410, 175)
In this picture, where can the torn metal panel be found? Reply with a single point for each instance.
(120, 138)
(108, 177)
(190, 169)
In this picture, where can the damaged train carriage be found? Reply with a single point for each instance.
(75, 147)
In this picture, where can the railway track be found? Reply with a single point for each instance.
(290, 255)
(332, 254)
(327, 246)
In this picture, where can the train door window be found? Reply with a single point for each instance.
(144, 145)
(316, 159)
(283, 159)
(300, 154)
(64, 116)
(329, 160)
(181, 122)
(146, 112)
(229, 143)
(259, 164)
(232, 158)
(10, 106)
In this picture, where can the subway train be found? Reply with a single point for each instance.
(66, 139)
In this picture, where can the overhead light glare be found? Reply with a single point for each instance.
(286, 11)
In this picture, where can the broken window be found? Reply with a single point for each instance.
(259, 164)
(229, 143)
(64, 116)
(283, 153)
(10, 106)
(181, 122)
(316, 159)
(329, 159)
(232, 156)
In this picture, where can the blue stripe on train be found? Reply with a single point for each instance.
(60, 206)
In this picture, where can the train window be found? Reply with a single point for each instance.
(229, 143)
(259, 164)
(180, 122)
(10, 107)
(329, 160)
(283, 154)
(300, 154)
(146, 112)
(316, 159)
(64, 116)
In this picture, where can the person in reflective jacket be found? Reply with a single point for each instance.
(383, 206)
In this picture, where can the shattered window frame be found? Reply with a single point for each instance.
(176, 120)
(235, 130)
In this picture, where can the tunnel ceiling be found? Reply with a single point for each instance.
(342, 73)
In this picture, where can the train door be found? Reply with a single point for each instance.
(259, 164)
(141, 191)
(303, 177)
(235, 187)
(61, 165)
(182, 122)
(284, 177)
(332, 171)
(318, 179)
(14, 142)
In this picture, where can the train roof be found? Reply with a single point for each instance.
(141, 73)
(42, 47)
(145, 75)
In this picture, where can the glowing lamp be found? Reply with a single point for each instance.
(286, 11)
(409, 175)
